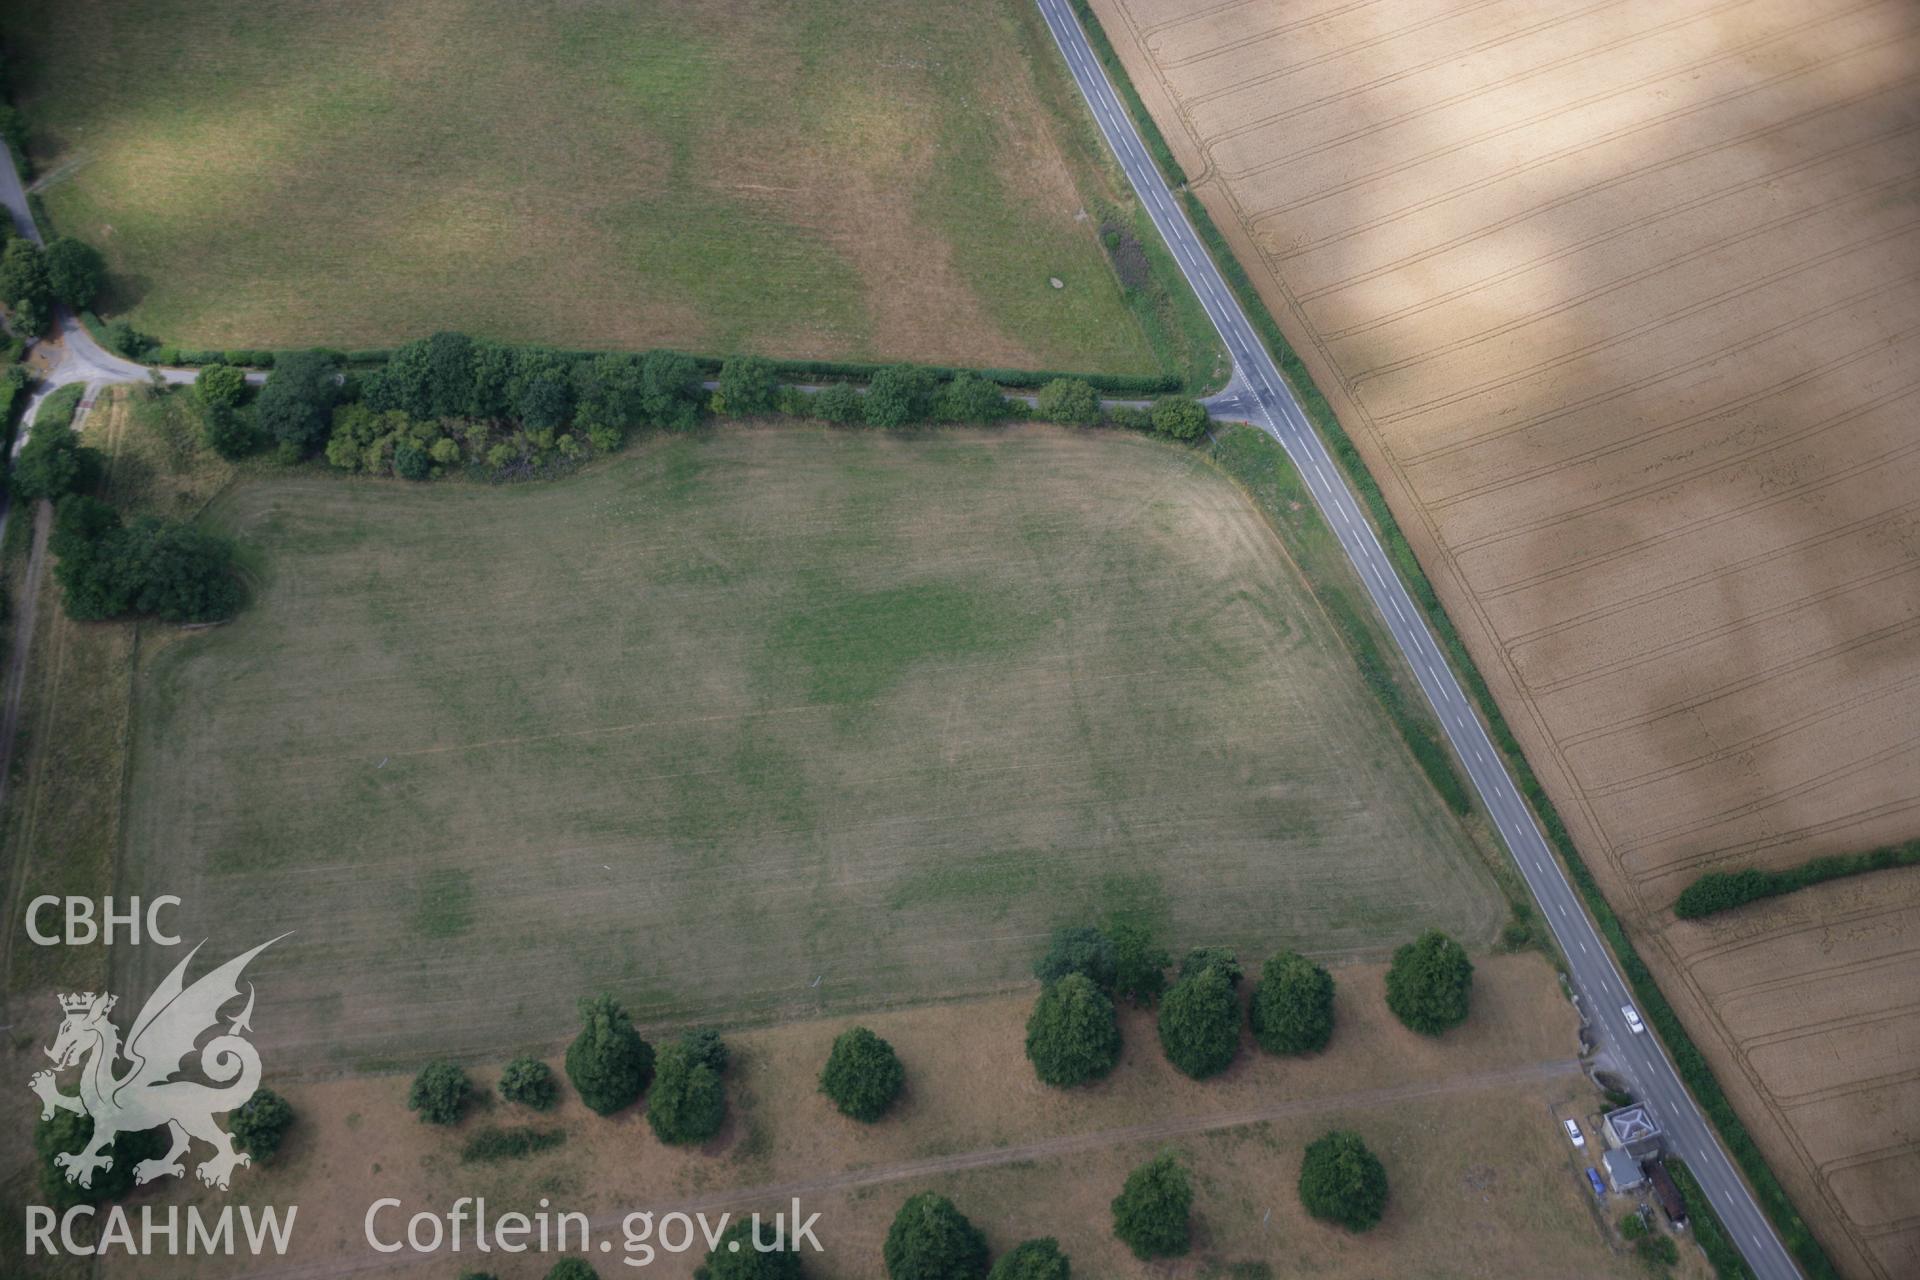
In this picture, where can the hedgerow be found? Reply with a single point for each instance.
(1725, 890)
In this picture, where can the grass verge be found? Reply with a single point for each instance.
(1688, 1060)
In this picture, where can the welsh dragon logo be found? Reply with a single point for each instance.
(145, 1096)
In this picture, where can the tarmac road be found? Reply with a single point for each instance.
(1258, 392)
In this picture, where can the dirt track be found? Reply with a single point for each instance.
(1619, 301)
(806, 1189)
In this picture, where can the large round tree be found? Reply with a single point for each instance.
(1429, 984)
(1292, 1008)
(1151, 1213)
(1343, 1182)
(1200, 1022)
(863, 1074)
(1072, 1036)
(608, 1063)
(930, 1239)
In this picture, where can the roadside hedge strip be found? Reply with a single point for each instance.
(1118, 384)
(1725, 890)
(1688, 1060)
(1706, 1225)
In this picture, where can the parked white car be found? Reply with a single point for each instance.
(1632, 1016)
(1573, 1133)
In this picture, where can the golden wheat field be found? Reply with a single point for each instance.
(1619, 300)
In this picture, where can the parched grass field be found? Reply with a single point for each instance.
(1483, 1179)
(762, 721)
(880, 180)
(1618, 301)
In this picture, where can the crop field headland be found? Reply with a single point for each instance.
(756, 722)
(1619, 302)
(885, 180)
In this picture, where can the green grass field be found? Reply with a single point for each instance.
(761, 721)
(881, 180)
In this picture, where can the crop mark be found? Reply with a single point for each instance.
(1385, 123)
(1665, 483)
(1770, 445)
(1719, 409)
(1654, 271)
(1616, 337)
(1897, 286)
(1570, 248)
(1777, 799)
(1753, 680)
(1571, 197)
(1332, 55)
(1196, 15)
(1695, 639)
(1639, 125)
(1455, 55)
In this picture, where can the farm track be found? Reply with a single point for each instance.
(994, 1157)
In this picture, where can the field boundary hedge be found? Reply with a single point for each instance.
(1717, 891)
(1688, 1060)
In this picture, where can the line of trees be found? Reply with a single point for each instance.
(1073, 1033)
(1716, 891)
(452, 400)
(1341, 1182)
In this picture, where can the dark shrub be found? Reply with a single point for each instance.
(529, 1082)
(1151, 1215)
(1081, 949)
(1072, 1036)
(738, 1257)
(688, 1102)
(1070, 401)
(608, 1063)
(1430, 983)
(1032, 1260)
(440, 1093)
(259, 1123)
(932, 1240)
(1292, 1009)
(1343, 1182)
(1200, 1023)
(863, 1074)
